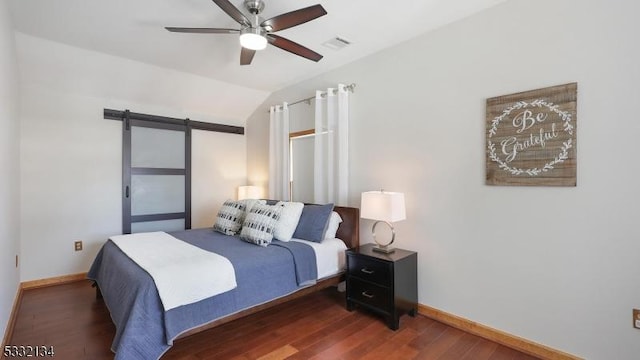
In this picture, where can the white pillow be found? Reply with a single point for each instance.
(332, 228)
(288, 222)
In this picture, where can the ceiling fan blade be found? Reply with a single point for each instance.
(233, 11)
(202, 30)
(246, 55)
(293, 47)
(294, 18)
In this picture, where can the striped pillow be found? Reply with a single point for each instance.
(260, 223)
(230, 217)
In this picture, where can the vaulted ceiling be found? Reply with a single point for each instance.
(135, 30)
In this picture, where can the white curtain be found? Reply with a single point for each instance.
(279, 153)
(331, 150)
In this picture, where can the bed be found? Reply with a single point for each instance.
(266, 276)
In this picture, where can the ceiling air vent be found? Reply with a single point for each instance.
(337, 43)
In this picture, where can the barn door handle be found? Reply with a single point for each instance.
(367, 295)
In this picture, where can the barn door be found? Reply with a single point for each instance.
(156, 176)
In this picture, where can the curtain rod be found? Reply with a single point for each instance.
(349, 87)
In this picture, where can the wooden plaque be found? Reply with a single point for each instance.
(531, 137)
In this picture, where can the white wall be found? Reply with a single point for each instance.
(218, 168)
(9, 180)
(70, 161)
(554, 265)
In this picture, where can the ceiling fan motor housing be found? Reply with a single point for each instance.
(254, 6)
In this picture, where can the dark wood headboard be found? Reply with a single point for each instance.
(349, 230)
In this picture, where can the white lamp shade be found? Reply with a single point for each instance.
(249, 192)
(383, 206)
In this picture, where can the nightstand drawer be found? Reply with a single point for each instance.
(369, 294)
(369, 269)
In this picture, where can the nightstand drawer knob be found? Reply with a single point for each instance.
(367, 295)
(367, 271)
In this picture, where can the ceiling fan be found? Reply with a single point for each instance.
(256, 33)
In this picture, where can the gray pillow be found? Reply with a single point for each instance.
(313, 222)
(260, 223)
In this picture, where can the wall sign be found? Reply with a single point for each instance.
(531, 137)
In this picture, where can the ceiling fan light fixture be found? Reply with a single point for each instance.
(253, 39)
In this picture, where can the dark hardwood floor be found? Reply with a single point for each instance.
(317, 326)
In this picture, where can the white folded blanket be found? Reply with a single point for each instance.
(183, 273)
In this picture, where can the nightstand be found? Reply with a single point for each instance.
(384, 283)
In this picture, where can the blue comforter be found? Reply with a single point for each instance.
(145, 331)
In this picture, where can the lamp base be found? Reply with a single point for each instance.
(383, 249)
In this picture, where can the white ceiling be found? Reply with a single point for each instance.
(134, 29)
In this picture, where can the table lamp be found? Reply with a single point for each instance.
(386, 207)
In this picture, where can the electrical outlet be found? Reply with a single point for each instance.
(636, 318)
(78, 245)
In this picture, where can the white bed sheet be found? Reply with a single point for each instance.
(330, 256)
